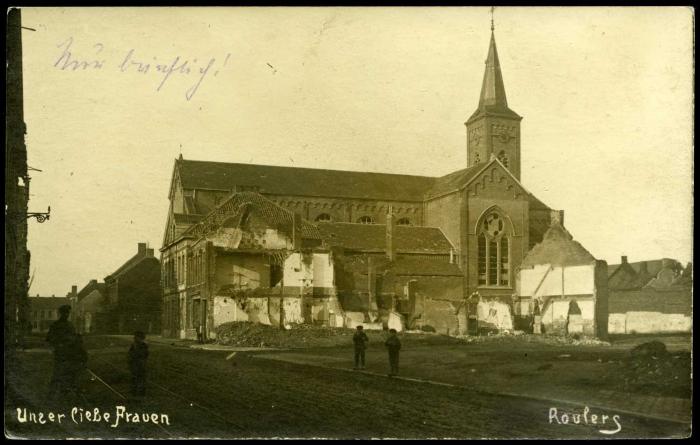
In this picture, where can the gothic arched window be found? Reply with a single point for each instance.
(323, 217)
(503, 158)
(493, 251)
(365, 220)
(403, 222)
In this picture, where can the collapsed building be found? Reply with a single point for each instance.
(465, 252)
(561, 288)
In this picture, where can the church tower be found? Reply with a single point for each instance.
(494, 129)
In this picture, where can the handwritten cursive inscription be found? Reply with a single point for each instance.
(134, 63)
(586, 417)
(79, 415)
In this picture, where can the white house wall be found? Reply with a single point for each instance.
(577, 280)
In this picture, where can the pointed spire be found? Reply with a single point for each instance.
(493, 92)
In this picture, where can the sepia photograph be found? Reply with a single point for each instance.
(349, 222)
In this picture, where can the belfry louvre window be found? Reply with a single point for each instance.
(493, 250)
(503, 157)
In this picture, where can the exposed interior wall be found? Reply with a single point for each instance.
(494, 314)
(555, 288)
(313, 272)
(544, 280)
(262, 310)
(242, 271)
(252, 237)
(555, 315)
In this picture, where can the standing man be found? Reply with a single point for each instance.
(360, 341)
(393, 345)
(138, 353)
(61, 336)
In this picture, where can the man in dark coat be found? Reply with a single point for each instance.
(393, 345)
(360, 341)
(61, 336)
(138, 353)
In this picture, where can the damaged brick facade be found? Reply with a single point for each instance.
(486, 220)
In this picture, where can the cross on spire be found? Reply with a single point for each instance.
(492, 8)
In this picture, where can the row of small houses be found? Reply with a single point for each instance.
(354, 279)
(128, 299)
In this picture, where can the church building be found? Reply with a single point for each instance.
(472, 228)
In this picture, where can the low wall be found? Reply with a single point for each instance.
(648, 323)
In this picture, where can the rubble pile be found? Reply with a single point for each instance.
(650, 367)
(260, 335)
(248, 334)
(520, 337)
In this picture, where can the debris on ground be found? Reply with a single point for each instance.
(519, 336)
(650, 368)
(308, 336)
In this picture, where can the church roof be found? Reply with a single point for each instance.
(372, 237)
(453, 181)
(557, 248)
(302, 181)
(493, 93)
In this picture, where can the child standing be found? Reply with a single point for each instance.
(138, 353)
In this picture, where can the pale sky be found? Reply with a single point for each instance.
(606, 95)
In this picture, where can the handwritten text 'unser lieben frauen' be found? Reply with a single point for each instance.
(132, 62)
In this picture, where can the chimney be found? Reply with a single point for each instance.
(296, 231)
(74, 290)
(642, 267)
(557, 217)
(142, 248)
(149, 252)
(390, 248)
(624, 259)
(93, 281)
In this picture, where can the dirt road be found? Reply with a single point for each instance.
(206, 395)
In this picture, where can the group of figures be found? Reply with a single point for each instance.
(71, 358)
(393, 346)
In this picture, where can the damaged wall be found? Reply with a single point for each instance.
(313, 272)
(494, 314)
(651, 311)
(242, 270)
(263, 310)
(555, 288)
